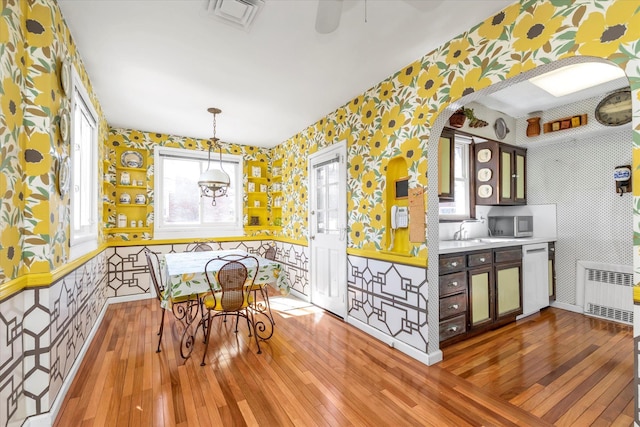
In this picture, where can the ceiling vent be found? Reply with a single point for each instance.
(239, 13)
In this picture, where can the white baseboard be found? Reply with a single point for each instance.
(426, 358)
(568, 307)
(128, 298)
(47, 419)
(300, 295)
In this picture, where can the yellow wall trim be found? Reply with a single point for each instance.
(288, 240)
(12, 287)
(417, 262)
(36, 280)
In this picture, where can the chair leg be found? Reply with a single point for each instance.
(161, 329)
(265, 296)
(206, 340)
(253, 324)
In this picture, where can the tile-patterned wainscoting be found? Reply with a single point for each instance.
(128, 273)
(42, 331)
(389, 297)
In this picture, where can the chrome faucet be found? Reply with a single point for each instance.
(461, 233)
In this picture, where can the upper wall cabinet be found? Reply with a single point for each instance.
(446, 166)
(500, 174)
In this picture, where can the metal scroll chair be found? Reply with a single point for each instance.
(199, 247)
(155, 270)
(230, 292)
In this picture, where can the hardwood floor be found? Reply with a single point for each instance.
(555, 368)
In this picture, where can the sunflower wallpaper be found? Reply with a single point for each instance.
(146, 141)
(34, 41)
(391, 120)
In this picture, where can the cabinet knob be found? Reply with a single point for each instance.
(453, 329)
(483, 259)
(454, 307)
(453, 284)
(454, 264)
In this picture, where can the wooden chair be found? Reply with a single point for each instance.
(230, 292)
(155, 271)
(199, 247)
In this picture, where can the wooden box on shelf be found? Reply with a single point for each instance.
(565, 123)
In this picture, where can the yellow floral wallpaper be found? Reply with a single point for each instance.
(34, 226)
(394, 117)
(147, 141)
(390, 119)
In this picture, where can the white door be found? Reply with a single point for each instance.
(328, 228)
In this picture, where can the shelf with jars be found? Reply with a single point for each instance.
(257, 196)
(277, 199)
(129, 191)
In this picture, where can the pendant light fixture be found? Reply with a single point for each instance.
(214, 182)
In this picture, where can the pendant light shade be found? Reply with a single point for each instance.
(214, 182)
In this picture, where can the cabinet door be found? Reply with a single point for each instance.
(508, 285)
(506, 175)
(445, 166)
(519, 176)
(480, 297)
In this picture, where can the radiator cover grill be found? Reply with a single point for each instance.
(608, 291)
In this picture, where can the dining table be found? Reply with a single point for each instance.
(186, 284)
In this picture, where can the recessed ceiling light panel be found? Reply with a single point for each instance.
(576, 77)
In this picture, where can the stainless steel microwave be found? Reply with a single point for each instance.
(512, 226)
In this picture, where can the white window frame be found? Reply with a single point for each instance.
(166, 231)
(85, 240)
(462, 141)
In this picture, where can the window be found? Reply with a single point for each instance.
(84, 178)
(460, 207)
(180, 211)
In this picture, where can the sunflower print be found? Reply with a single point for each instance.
(602, 34)
(535, 29)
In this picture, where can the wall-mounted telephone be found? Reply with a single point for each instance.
(399, 217)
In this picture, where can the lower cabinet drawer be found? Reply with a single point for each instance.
(453, 283)
(453, 305)
(452, 327)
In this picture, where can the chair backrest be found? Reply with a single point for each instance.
(270, 253)
(233, 278)
(155, 270)
(199, 247)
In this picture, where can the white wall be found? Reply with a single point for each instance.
(576, 174)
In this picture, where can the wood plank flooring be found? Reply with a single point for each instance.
(557, 368)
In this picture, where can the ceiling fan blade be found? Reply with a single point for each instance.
(328, 16)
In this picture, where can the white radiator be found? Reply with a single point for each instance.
(606, 290)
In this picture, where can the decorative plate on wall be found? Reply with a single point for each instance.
(484, 155)
(485, 191)
(501, 129)
(64, 126)
(131, 159)
(484, 174)
(64, 175)
(65, 77)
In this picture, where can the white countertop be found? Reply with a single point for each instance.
(476, 244)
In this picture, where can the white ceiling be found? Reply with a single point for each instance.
(157, 65)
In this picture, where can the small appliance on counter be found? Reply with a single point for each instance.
(511, 226)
